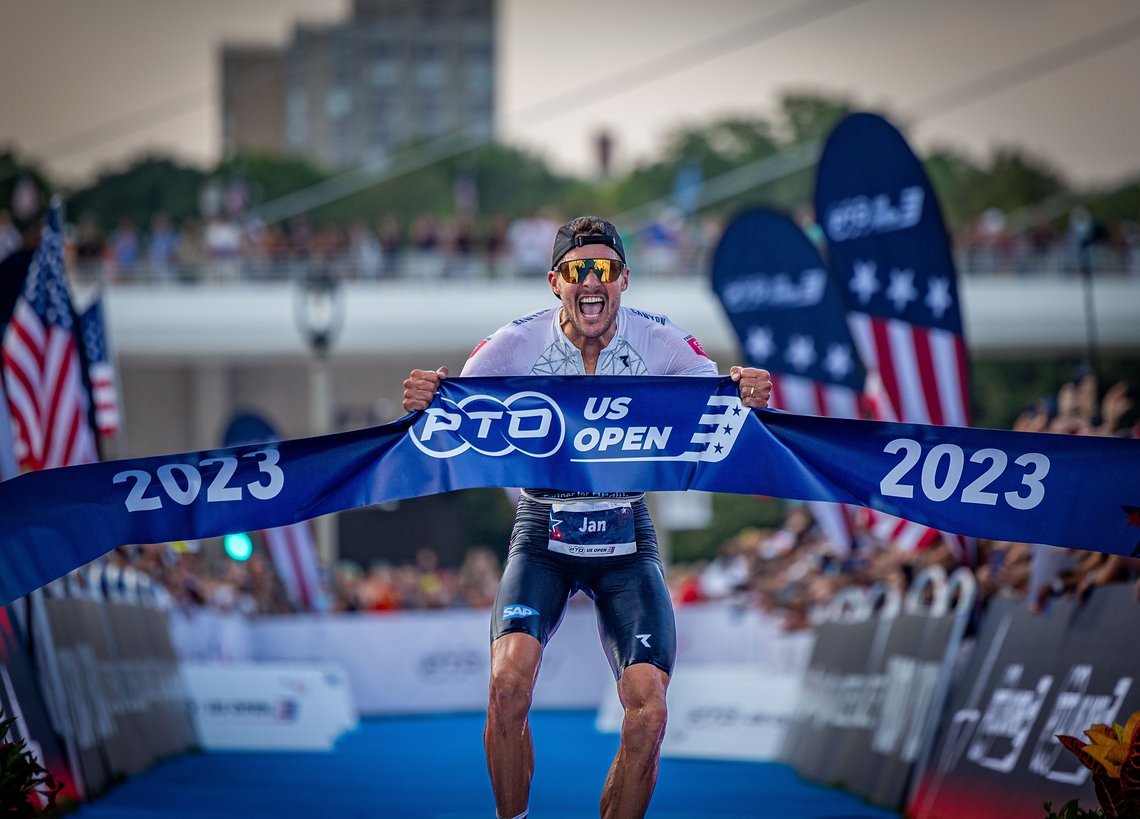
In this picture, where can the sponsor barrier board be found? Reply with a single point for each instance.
(1030, 678)
(873, 689)
(721, 712)
(268, 706)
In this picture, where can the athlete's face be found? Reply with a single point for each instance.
(590, 307)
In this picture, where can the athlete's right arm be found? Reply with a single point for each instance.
(491, 356)
(420, 388)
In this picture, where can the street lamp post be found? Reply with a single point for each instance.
(319, 307)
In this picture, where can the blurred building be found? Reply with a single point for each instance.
(344, 94)
(253, 99)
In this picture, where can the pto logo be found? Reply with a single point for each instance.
(516, 612)
(608, 429)
(527, 422)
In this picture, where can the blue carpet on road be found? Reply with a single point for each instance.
(432, 768)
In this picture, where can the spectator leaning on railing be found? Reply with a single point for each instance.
(230, 245)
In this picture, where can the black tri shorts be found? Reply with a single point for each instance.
(607, 550)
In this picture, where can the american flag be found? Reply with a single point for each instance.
(889, 248)
(46, 396)
(909, 331)
(291, 548)
(100, 370)
(919, 372)
(293, 552)
(8, 468)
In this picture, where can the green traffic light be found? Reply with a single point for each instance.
(239, 547)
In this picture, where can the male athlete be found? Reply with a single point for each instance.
(589, 334)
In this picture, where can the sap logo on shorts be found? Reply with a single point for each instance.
(516, 612)
(527, 422)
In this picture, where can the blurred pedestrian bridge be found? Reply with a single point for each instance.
(193, 352)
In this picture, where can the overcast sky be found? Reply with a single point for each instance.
(1066, 72)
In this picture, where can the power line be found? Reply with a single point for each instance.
(803, 155)
(162, 111)
(691, 55)
(125, 124)
(737, 181)
(654, 69)
(951, 99)
(730, 184)
(474, 136)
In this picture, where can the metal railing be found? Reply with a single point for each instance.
(428, 266)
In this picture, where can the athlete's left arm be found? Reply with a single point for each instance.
(753, 383)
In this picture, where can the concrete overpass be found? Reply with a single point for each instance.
(191, 356)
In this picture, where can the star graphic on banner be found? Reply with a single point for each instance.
(865, 282)
(837, 362)
(801, 352)
(554, 524)
(719, 449)
(760, 343)
(736, 410)
(901, 290)
(938, 297)
(1133, 515)
(726, 429)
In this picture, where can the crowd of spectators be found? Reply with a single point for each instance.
(995, 243)
(182, 576)
(795, 572)
(424, 584)
(428, 246)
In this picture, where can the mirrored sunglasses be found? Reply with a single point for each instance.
(576, 270)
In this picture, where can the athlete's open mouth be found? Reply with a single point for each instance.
(591, 306)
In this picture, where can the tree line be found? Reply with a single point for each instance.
(514, 182)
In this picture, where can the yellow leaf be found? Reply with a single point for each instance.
(1101, 754)
(1106, 736)
(1131, 728)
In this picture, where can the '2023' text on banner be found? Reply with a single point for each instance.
(585, 434)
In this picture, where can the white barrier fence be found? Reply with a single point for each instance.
(112, 694)
(438, 661)
(721, 712)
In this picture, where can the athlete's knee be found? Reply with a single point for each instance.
(646, 718)
(646, 713)
(511, 683)
(511, 688)
(643, 730)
